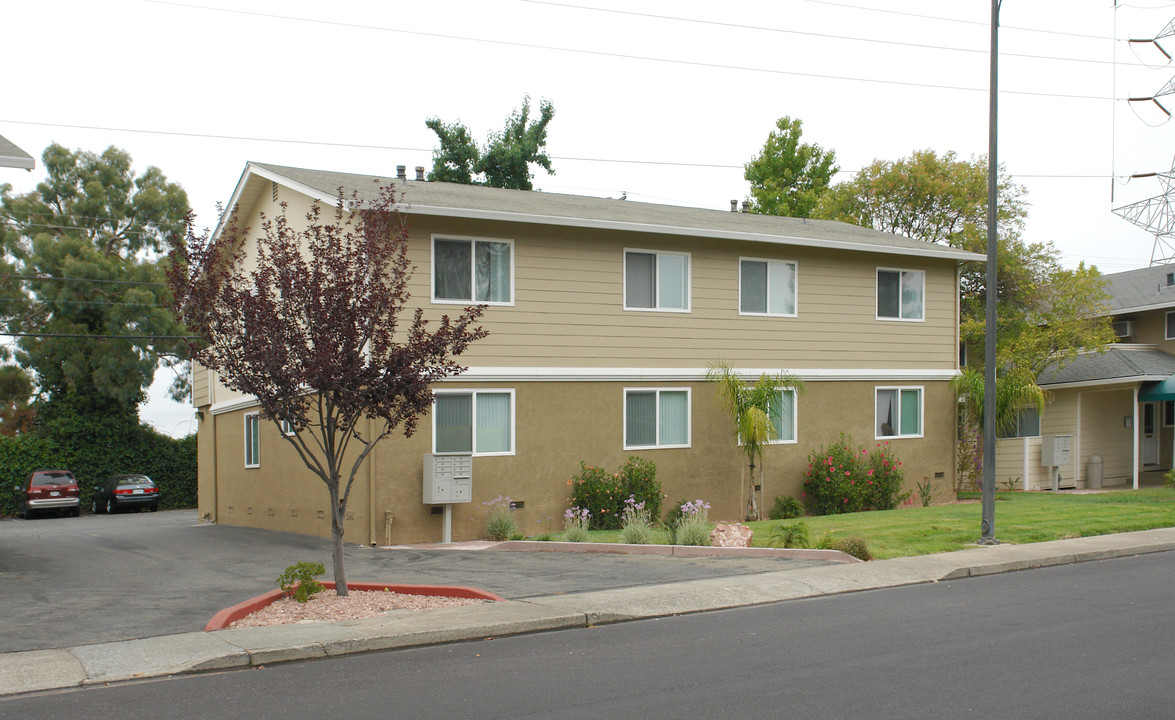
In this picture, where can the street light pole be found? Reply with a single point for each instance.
(987, 526)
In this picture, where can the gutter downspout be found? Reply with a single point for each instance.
(1136, 438)
(371, 487)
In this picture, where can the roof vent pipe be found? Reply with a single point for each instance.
(734, 205)
(420, 172)
(401, 172)
(746, 206)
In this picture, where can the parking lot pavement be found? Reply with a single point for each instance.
(102, 578)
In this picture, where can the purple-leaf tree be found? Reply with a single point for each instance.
(310, 319)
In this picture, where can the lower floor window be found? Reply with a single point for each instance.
(1027, 424)
(783, 416)
(899, 412)
(656, 418)
(478, 421)
(252, 440)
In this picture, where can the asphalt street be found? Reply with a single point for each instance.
(1090, 640)
(102, 578)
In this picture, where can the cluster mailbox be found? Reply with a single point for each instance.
(448, 478)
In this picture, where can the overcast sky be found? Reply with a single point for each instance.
(662, 100)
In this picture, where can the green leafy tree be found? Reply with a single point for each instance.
(751, 407)
(787, 176)
(505, 159)
(93, 308)
(16, 390)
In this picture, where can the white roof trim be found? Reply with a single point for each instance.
(1126, 382)
(12, 161)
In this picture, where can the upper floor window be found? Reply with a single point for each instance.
(472, 270)
(479, 421)
(898, 412)
(656, 280)
(656, 418)
(1170, 334)
(900, 294)
(767, 287)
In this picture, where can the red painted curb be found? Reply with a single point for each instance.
(229, 615)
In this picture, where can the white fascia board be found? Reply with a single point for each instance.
(13, 161)
(1140, 308)
(241, 403)
(602, 374)
(1126, 382)
(252, 169)
(466, 213)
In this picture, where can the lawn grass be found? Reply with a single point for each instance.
(1020, 517)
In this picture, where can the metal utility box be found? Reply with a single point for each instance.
(1056, 450)
(448, 478)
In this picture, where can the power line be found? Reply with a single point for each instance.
(73, 279)
(101, 337)
(830, 36)
(624, 56)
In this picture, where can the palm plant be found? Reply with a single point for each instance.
(751, 407)
(1015, 387)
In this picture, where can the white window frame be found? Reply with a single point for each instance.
(252, 459)
(921, 411)
(1167, 325)
(287, 428)
(657, 254)
(474, 392)
(795, 412)
(795, 300)
(472, 240)
(877, 294)
(689, 411)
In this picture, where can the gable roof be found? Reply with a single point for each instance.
(1148, 288)
(1119, 363)
(543, 208)
(13, 157)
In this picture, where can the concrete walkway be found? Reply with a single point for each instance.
(37, 670)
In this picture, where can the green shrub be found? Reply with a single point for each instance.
(825, 541)
(673, 519)
(603, 493)
(500, 522)
(297, 581)
(790, 535)
(853, 545)
(841, 479)
(785, 507)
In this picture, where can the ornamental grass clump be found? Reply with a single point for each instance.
(500, 522)
(841, 479)
(575, 524)
(694, 526)
(634, 523)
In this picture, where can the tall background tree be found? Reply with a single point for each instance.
(311, 318)
(83, 291)
(505, 159)
(788, 176)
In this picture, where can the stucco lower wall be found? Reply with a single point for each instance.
(557, 425)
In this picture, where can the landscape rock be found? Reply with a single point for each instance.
(731, 535)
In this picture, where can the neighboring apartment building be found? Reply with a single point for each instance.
(603, 318)
(1117, 408)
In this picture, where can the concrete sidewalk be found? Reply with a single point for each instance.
(37, 670)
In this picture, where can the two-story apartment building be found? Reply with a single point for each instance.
(1117, 408)
(603, 318)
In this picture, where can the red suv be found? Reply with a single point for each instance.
(48, 490)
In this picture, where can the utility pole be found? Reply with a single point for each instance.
(987, 526)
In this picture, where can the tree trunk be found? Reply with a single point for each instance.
(336, 531)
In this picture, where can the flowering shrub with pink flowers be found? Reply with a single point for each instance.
(842, 478)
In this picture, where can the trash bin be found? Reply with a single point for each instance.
(1095, 471)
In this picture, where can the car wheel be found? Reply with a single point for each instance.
(111, 507)
(94, 506)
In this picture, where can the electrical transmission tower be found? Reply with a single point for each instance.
(1156, 215)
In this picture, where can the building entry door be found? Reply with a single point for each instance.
(1149, 440)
